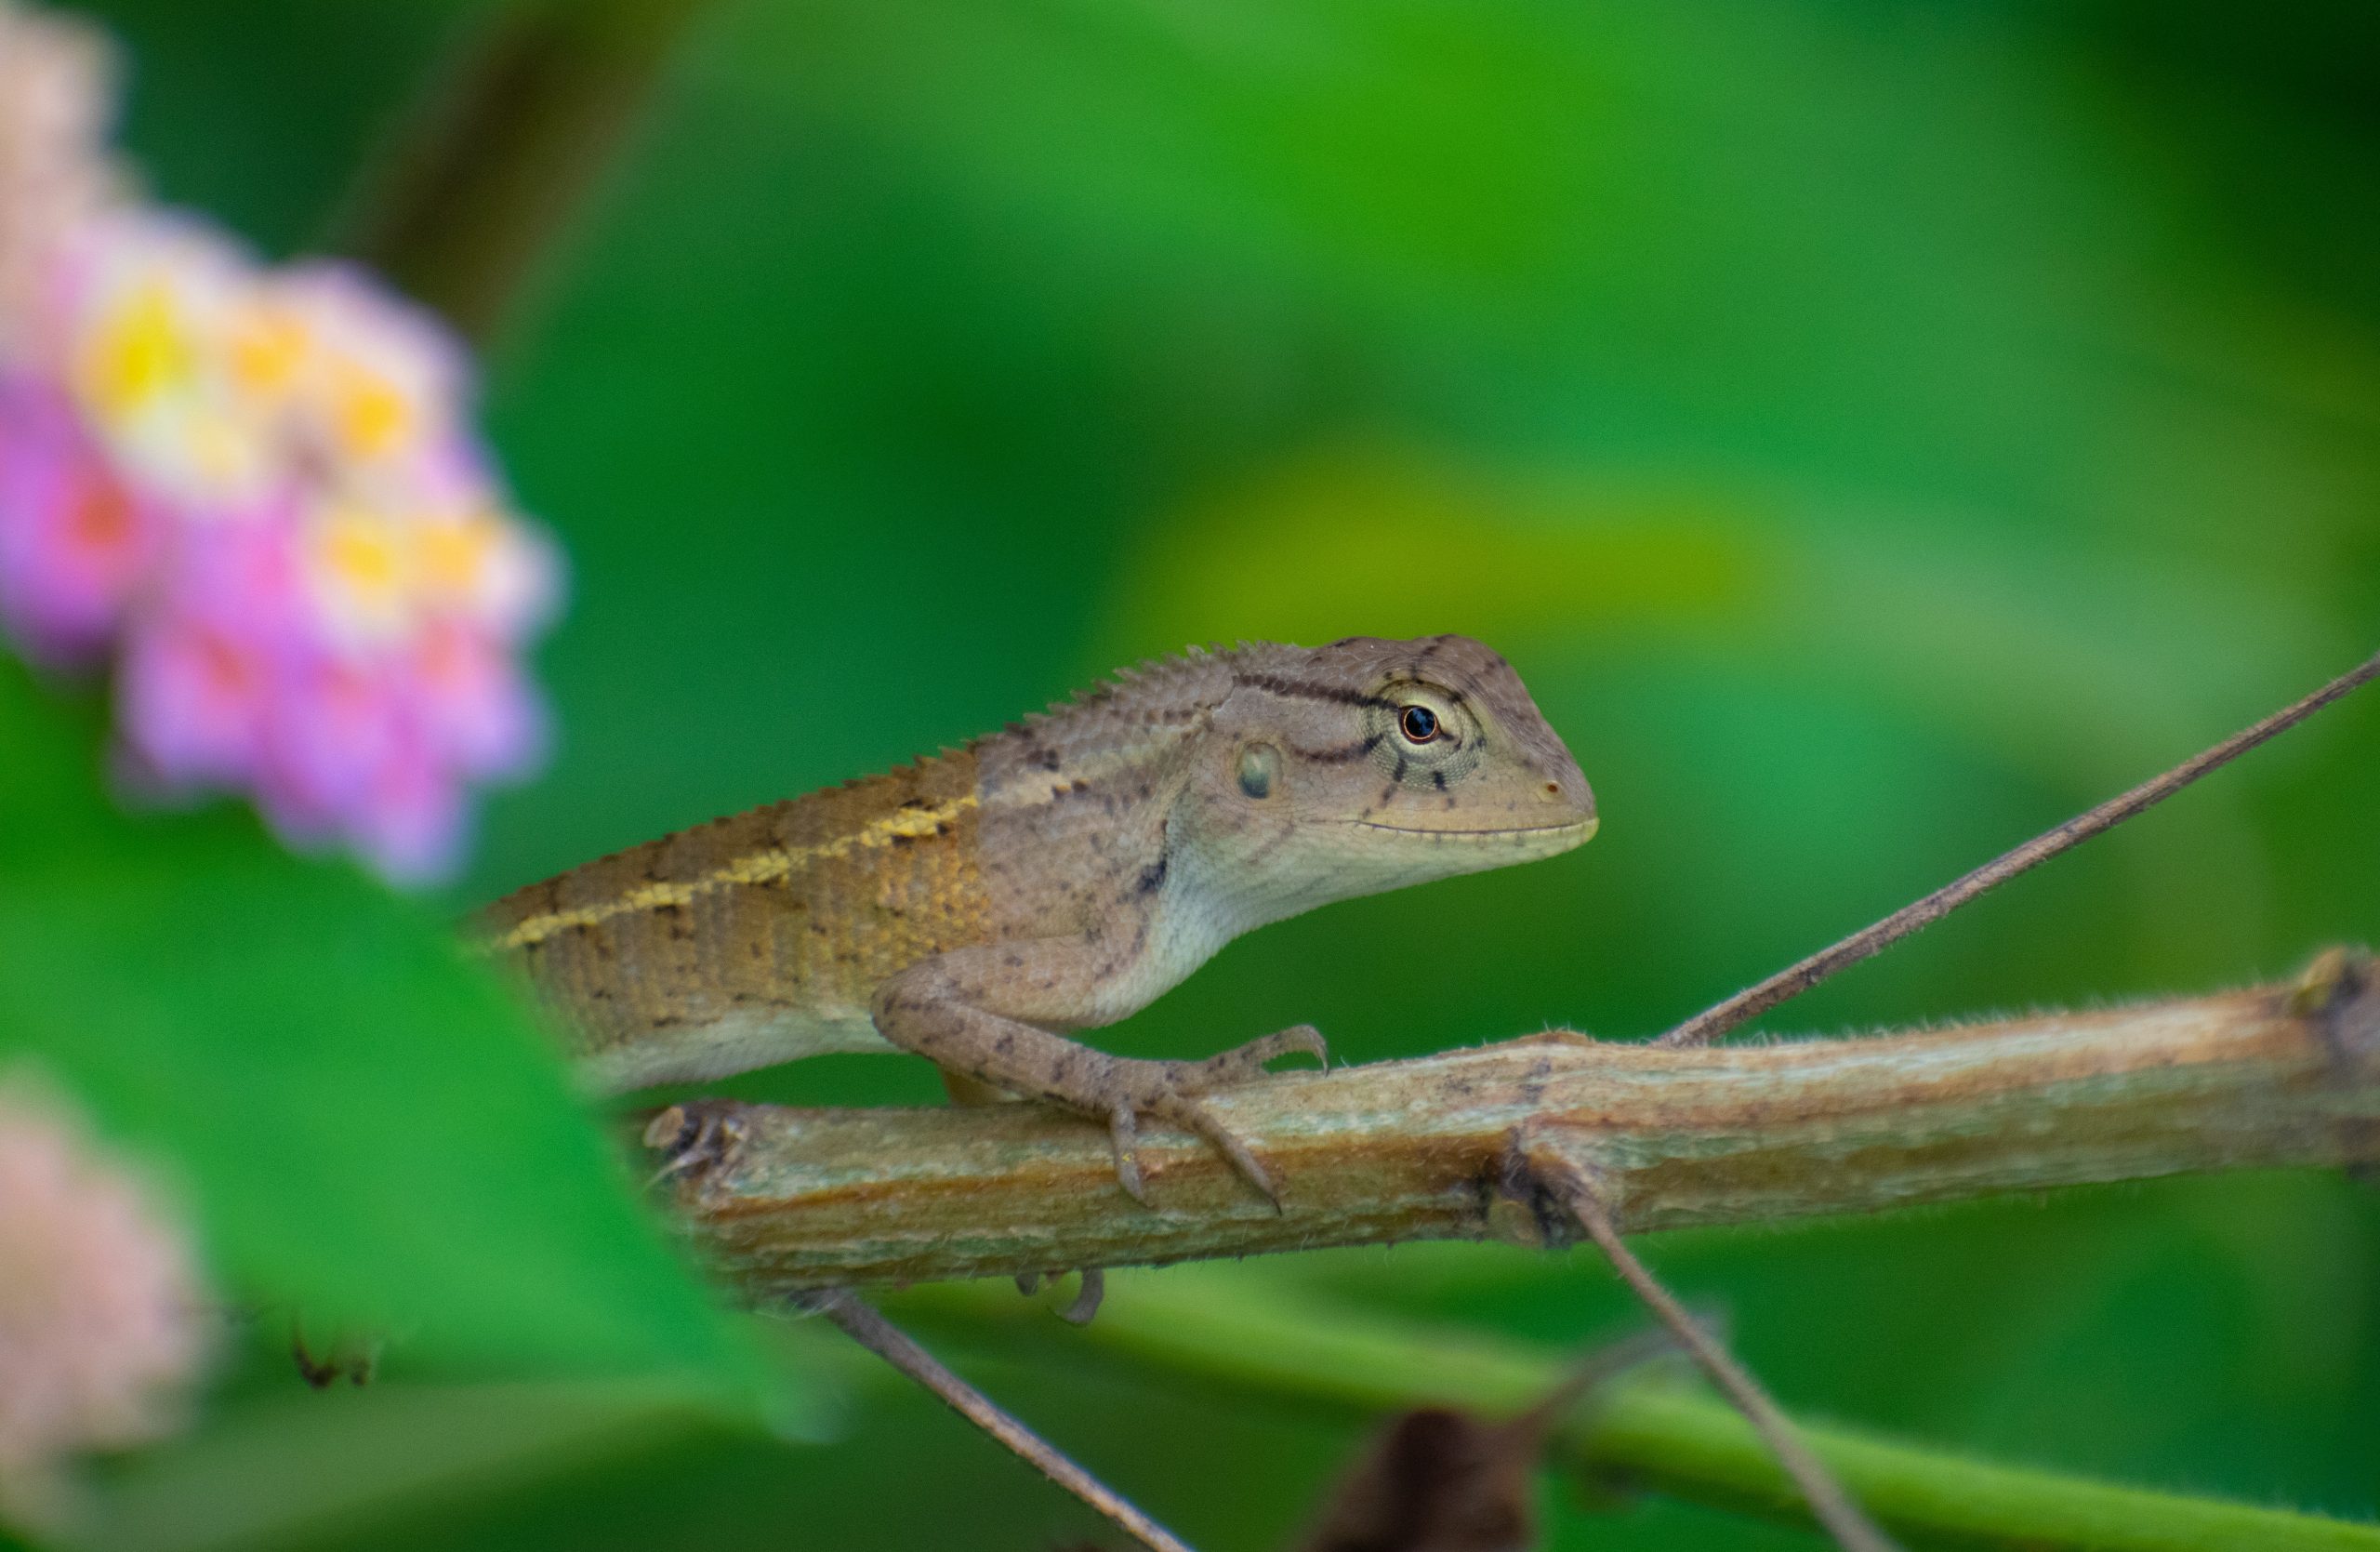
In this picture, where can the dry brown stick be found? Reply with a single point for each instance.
(895, 1347)
(1793, 980)
(1543, 1162)
(1394, 1151)
(497, 160)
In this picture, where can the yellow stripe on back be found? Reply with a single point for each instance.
(761, 867)
(755, 938)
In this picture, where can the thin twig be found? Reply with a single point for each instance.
(1796, 979)
(1601, 1366)
(1549, 1166)
(886, 1341)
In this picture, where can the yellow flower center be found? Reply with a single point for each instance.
(140, 352)
(372, 416)
(453, 556)
(360, 564)
(268, 350)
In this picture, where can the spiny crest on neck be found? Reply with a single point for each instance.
(1154, 700)
(1124, 722)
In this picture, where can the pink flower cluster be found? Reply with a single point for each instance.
(104, 1320)
(253, 491)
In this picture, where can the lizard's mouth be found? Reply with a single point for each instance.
(1583, 828)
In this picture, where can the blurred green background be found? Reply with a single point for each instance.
(1874, 430)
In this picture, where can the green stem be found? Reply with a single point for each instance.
(1262, 1338)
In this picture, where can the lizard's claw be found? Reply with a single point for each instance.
(1190, 1116)
(1086, 1297)
(693, 1139)
(1124, 1140)
(1177, 1108)
(1242, 1063)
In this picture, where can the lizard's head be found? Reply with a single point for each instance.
(1366, 765)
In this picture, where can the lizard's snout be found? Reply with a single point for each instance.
(1566, 798)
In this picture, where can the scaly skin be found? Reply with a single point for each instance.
(1058, 875)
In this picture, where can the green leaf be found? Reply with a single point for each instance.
(364, 1125)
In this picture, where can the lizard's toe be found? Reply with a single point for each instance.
(694, 1139)
(1246, 1063)
(1305, 1038)
(1190, 1116)
(1087, 1298)
(1124, 1139)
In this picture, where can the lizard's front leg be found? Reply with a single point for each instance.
(982, 1012)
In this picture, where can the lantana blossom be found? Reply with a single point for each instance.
(55, 90)
(76, 542)
(105, 1320)
(256, 493)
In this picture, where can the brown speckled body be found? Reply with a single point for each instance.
(755, 937)
(1057, 875)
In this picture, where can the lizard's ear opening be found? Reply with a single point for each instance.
(1259, 764)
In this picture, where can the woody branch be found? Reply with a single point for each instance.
(787, 1200)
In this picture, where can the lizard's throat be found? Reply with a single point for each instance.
(1544, 839)
(1245, 887)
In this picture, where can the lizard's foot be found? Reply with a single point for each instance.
(1086, 1296)
(692, 1139)
(1169, 1091)
(355, 1360)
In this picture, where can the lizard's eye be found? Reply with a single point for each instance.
(1421, 734)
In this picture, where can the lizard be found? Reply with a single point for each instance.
(976, 905)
